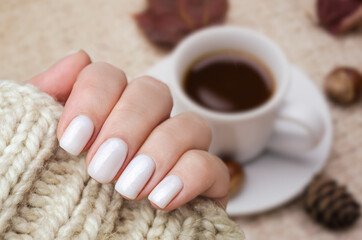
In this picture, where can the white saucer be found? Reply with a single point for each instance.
(272, 179)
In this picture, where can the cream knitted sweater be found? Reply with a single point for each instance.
(46, 193)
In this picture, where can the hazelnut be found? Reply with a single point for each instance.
(343, 85)
(237, 176)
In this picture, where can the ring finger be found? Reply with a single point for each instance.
(166, 144)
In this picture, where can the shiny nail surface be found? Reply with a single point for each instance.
(73, 52)
(108, 160)
(166, 190)
(135, 176)
(77, 134)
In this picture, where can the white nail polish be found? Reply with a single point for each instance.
(135, 176)
(108, 160)
(166, 190)
(77, 134)
(72, 52)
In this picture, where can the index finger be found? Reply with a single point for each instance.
(59, 79)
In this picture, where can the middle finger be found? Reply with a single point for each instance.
(145, 103)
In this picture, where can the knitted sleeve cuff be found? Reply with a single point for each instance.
(46, 193)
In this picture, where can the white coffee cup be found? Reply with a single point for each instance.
(246, 134)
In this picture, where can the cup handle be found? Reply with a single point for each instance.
(298, 128)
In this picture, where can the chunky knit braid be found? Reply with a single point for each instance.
(46, 193)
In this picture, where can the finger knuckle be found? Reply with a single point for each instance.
(196, 159)
(200, 123)
(88, 87)
(105, 65)
(154, 84)
(165, 132)
(102, 64)
(95, 72)
(133, 108)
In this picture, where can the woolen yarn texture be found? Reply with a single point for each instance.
(46, 193)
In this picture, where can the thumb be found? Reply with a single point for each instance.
(59, 79)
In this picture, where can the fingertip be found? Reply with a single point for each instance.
(59, 79)
(158, 208)
(77, 135)
(108, 159)
(166, 191)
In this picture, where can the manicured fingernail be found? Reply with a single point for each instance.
(72, 52)
(166, 190)
(77, 134)
(135, 176)
(108, 160)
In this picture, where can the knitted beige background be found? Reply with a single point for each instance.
(34, 34)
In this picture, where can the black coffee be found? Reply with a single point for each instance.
(228, 82)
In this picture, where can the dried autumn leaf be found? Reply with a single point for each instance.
(338, 16)
(166, 22)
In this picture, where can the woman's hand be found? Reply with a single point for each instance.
(129, 135)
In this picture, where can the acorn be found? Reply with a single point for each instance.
(237, 176)
(343, 85)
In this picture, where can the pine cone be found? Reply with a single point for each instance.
(330, 204)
